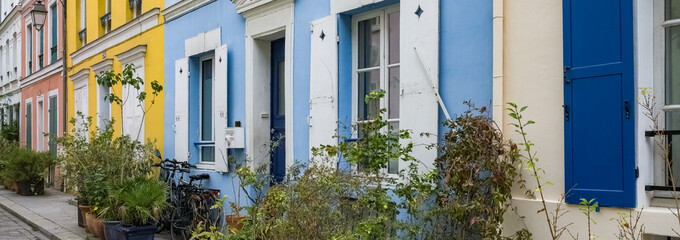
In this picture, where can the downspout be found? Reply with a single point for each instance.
(63, 58)
(498, 100)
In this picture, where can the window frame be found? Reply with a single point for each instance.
(29, 49)
(660, 26)
(28, 117)
(201, 143)
(54, 33)
(384, 67)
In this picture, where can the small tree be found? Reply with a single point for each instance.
(128, 78)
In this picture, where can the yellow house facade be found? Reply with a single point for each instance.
(105, 35)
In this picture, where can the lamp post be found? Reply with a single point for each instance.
(38, 14)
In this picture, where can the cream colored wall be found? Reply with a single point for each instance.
(531, 74)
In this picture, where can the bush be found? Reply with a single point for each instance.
(470, 190)
(136, 201)
(10, 131)
(95, 161)
(23, 164)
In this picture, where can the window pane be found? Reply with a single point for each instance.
(369, 43)
(208, 154)
(394, 37)
(673, 123)
(672, 9)
(672, 67)
(282, 89)
(368, 82)
(206, 101)
(394, 93)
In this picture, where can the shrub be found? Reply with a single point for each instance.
(139, 201)
(23, 164)
(91, 163)
(10, 131)
(467, 194)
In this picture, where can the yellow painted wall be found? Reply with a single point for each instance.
(154, 65)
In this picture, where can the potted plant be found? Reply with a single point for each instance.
(141, 204)
(27, 169)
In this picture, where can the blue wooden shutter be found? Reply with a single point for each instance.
(599, 102)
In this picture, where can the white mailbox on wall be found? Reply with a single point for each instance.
(234, 137)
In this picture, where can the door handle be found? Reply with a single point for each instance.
(627, 106)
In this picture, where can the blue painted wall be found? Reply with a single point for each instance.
(465, 64)
(465, 55)
(222, 14)
(306, 11)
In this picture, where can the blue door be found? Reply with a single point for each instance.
(278, 109)
(599, 102)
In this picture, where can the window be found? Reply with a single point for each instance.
(670, 27)
(207, 139)
(106, 19)
(136, 8)
(83, 23)
(41, 47)
(29, 49)
(54, 40)
(29, 125)
(376, 66)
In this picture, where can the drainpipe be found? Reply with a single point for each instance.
(63, 58)
(498, 100)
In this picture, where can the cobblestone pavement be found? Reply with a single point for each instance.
(12, 228)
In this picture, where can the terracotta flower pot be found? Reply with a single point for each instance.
(84, 209)
(235, 221)
(89, 223)
(99, 227)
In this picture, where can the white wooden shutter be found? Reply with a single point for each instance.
(323, 85)
(419, 109)
(182, 109)
(220, 114)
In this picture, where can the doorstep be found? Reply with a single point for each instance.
(52, 214)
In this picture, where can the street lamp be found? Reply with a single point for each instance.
(38, 14)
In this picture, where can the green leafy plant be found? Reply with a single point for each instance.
(468, 192)
(25, 165)
(587, 207)
(141, 200)
(529, 156)
(128, 78)
(630, 227)
(95, 161)
(10, 131)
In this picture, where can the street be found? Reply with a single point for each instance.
(13, 228)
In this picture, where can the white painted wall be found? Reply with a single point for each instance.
(532, 65)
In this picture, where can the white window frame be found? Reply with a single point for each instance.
(27, 102)
(659, 68)
(50, 30)
(201, 163)
(30, 61)
(40, 123)
(83, 15)
(135, 11)
(384, 67)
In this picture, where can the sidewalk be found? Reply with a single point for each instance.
(51, 214)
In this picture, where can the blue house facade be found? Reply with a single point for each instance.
(263, 81)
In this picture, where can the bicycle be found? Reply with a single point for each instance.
(191, 202)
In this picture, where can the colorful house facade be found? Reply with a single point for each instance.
(108, 35)
(42, 82)
(243, 74)
(10, 61)
(581, 66)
